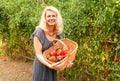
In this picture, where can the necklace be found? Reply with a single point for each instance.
(51, 34)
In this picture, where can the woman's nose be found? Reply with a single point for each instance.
(51, 17)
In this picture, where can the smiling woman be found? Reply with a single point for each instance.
(49, 29)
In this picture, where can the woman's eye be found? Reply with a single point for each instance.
(53, 15)
(48, 16)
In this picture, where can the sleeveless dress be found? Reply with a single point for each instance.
(40, 71)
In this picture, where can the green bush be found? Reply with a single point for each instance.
(94, 25)
(18, 22)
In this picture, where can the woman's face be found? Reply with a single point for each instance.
(50, 17)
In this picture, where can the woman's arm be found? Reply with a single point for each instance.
(38, 50)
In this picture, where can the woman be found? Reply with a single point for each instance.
(49, 28)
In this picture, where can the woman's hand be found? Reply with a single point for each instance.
(69, 64)
(58, 66)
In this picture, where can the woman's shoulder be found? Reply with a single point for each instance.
(39, 30)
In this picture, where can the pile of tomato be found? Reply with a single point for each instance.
(57, 55)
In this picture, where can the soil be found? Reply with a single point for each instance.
(15, 70)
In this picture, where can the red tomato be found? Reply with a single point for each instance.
(64, 51)
(63, 56)
(53, 53)
(52, 58)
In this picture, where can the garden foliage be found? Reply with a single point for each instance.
(93, 24)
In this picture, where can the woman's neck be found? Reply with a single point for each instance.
(51, 28)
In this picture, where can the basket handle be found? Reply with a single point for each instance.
(55, 40)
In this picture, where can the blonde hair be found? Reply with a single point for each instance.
(59, 21)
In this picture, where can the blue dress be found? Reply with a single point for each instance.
(40, 71)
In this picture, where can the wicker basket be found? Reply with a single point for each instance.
(63, 43)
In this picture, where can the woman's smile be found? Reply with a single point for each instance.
(50, 17)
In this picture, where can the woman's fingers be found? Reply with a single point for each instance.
(61, 65)
(69, 65)
(58, 66)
